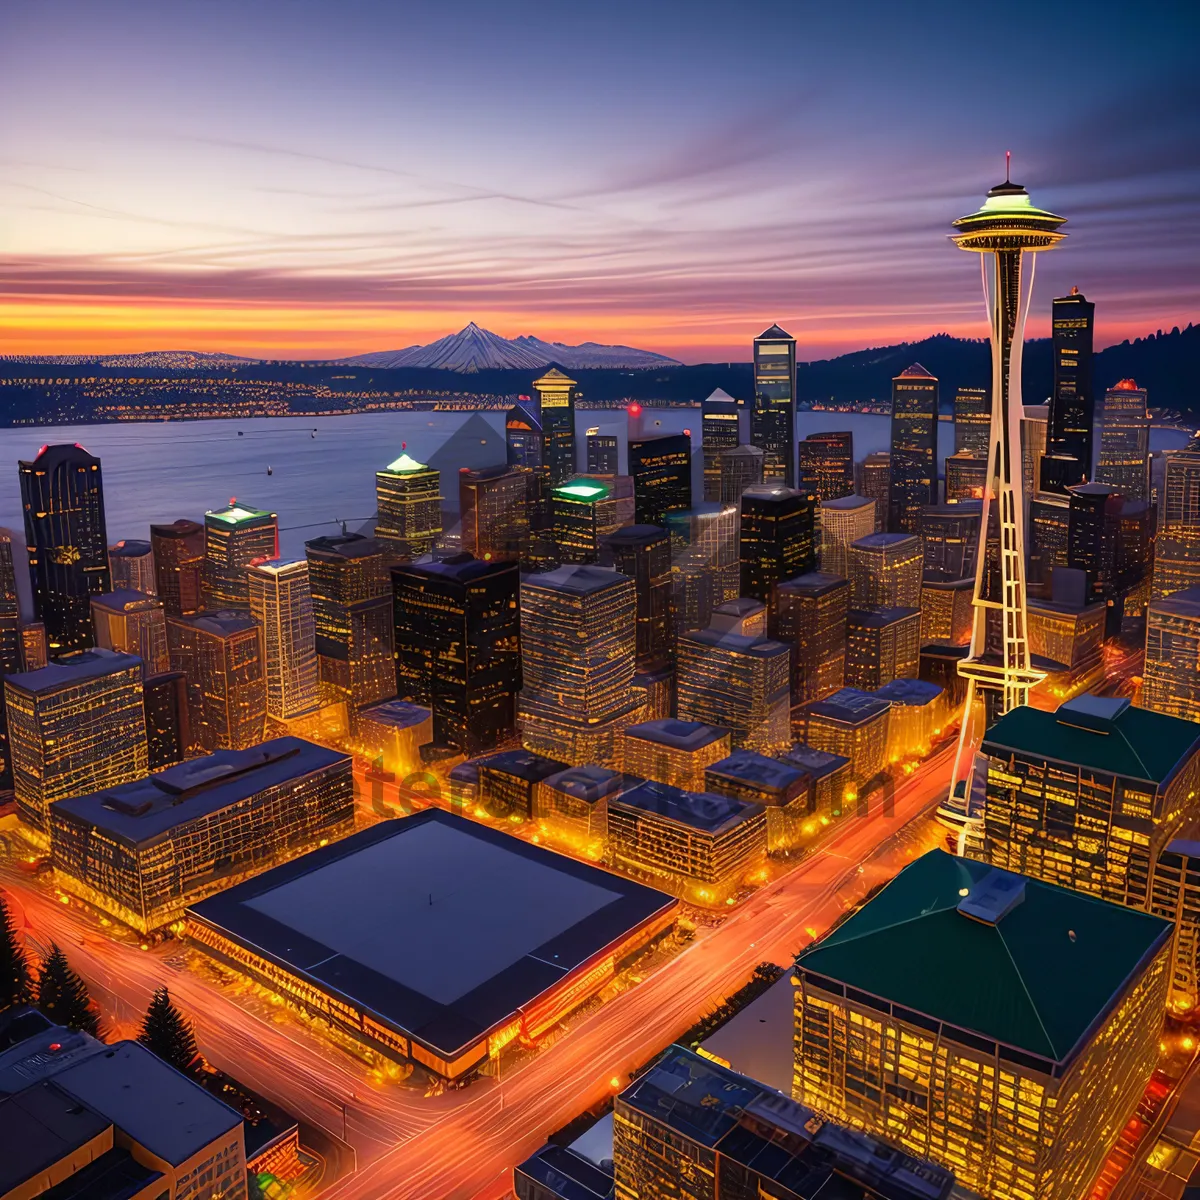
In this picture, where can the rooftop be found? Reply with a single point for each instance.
(237, 514)
(1036, 979)
(123, 599)
(580, 579)
(115, 1175)
(916, 371)
(880, 618)
(582, 489)
(771, 491)
(814, 583)
(885, 541)
(748, 767)
(708, 812)
(130, 548)
(849, 705)
(279, 566)
(39, 1127)
(74, 669)
(817, 763)
(434, 923)
(1134, 743)
(462, 568)
(737, 643)
(774, 334)
(848, 502)
(139, 813)
(345, 545)
(1185, 603)
(400, 714)
(554, 378)
(522, 764)
(223, 623)
(909, 691)
(564, 1173)
(589, 783)
(405, 465)
(679, 735)
(637, 534)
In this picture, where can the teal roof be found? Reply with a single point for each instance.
(1135, 744)
(1035, 981)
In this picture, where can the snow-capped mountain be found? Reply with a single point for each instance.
(475, 349)
(173, 360)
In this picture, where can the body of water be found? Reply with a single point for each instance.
(323, 468)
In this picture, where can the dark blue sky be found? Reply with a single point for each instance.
(314, 178)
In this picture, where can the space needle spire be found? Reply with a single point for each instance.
(1006, 232)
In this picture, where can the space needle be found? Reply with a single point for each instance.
(1006, 233)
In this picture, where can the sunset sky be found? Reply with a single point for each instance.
(310, 179)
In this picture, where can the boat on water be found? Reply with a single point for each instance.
(270, 470)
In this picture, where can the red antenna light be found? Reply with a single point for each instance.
(1008, 166)
(403, 445)
(635, 410)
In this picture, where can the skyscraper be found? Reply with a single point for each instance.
(34, 651)
(718, 432)
(1171, 677)
(737, 469)
(10, 615)
(843, 521)
(1035, 423)
(178, 551)
(74, 727)
(523, 437)
(1069, 436)
(131, 563)
(998, 668)
(874, 482)
(281, 602)
(1092, 536)
(62, 492)
(493, 507)
(132, 623)
(882, 644)
(557, 396)
(810, 617)
(234, 536)
(352, 617)
(827, 465)
(778, 538)
(966, 477)
(1177, 548)
(773, 417)
(885, 571)
(584, 511)
(972, 421)
(643, 553)
(458, 648)
(603, 453)
(661, 467)
(578, 651)
(220, 656)
(168, 732)
(950, 541)
(705, 567)
(408, 495)
(913, 478)
(1125, 441)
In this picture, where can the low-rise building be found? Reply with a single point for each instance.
(917, 716)
(508, 780)
(882, 645)
(673, 751)
(852, 724)
(392, 734)
(784, 790)
(699, 846)
(144, 851)
(831, 780)
(571, 808)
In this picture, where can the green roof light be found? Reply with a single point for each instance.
(583, 491)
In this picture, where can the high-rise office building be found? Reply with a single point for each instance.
(168, 730)
(523, 437)
(220, 656)
(352, 617)
(946, 611)
(705, 566)
(691, 1128)
(718, 433)
(578, 653)
(672, 751)
(603, 453)
(1125, 441)
(35, 653)
(132, 623)
(826, 465)
(178, 551)
(409, 499)
(881, 645)
(557, 395)
(913, 478)
(1171, 677)
(1177, 547)
(661, 467)
(10, 615)
(1088, 797)
(74, 727)
(62, 493)
(131, 564)
(643, 553)
(972, 421)
(874, 482)
(737, 469)
(281, 602)
(585, 510)
(810, 616)
(1069, 434)
(1048, 535)
(1021, 1087)
(739, 682)
(1092, 535)
(1035, 426)
(998, 668)
(458, 648)
(843, 521)
(493, 507)
(966, 477)
(853, 725)
(773, 417)
(234, 537)
(778, 538)
(885, 571)
(950, 538)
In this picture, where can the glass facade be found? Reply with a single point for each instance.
(661, 467)
(234, 536)
(557, 397)
(972, 421)
(179, 566)
(913, 477)
(1069, 435)
(409, 502)
(773, 417)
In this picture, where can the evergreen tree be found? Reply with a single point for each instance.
(168, 1034)
(14, 969)
(63, 996)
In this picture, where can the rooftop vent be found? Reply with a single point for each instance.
(1096, 713)
(993, 897)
